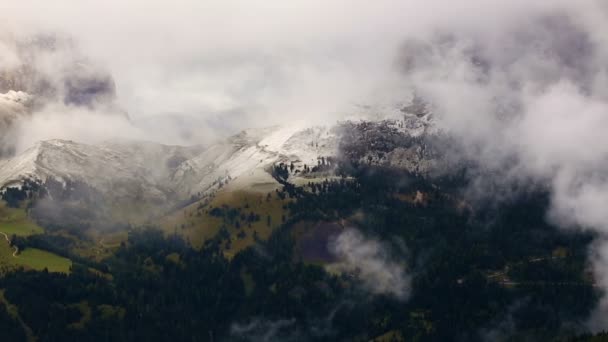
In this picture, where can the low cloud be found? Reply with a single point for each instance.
(527, 100)
(240, 64)
(369, 260)
(260, 330)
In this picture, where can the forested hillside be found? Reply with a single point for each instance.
(464, 271)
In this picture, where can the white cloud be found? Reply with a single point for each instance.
(370, 261)
(266, 60)
(528, 98)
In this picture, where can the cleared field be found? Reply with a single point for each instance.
(14, 221)
(31, 258)
(38, 259)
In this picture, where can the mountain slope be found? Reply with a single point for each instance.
(165, 176)
(120, 169)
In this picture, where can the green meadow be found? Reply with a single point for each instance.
(37, 259)
(14, 221)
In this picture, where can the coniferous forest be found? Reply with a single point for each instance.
(475, 272)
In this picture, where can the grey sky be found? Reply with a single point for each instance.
(253, 62)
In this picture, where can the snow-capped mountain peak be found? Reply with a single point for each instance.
(161, 174)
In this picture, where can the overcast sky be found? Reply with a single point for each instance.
(254, 62)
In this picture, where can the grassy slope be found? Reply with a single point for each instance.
(37, 259)
(14, 221)
(196, 225)
(6, 257)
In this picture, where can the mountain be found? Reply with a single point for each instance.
(279, 222)
(123, 169)
(161, 170)
(149, 174)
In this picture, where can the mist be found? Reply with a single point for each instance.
(522, 85)
(527, 101)
(370, 261)
(229, 65)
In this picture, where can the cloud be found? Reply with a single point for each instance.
(222, 66)
(254, 63)
(73, 123)
(527, 99)
(53, 90)
(13, 106)
(260, 330)
(370, 261)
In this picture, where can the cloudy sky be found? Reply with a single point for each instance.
(236, 64)
(248, 61)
